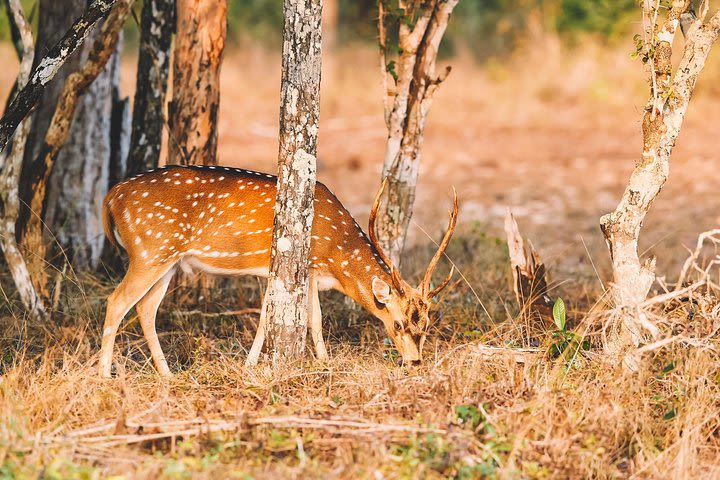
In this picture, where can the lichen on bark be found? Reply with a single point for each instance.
(287, 298)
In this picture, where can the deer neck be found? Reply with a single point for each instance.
(353, 262)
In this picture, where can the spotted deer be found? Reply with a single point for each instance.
(219, 220)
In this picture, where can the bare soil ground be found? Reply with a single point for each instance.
(552, 134)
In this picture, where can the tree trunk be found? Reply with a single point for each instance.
(120, 126)
(287, 295)
(10, 166)
(54, 20)
(76, 190)
(662, 121)
(81, 174)
(156, 29)
(406, 110)
(201, 30)
(199, 46)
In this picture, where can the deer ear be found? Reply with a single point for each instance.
(381, 290)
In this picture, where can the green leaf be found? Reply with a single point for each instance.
(390, 67)
(559, 314)
(468, 414)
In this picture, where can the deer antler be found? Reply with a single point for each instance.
(425, 285)
(372, 232)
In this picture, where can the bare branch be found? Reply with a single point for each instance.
(46, 69)
(529, 282)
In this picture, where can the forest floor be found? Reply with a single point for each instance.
(555, 141)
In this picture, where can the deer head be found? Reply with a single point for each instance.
(404, 309)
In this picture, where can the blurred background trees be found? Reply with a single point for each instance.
(486, 28)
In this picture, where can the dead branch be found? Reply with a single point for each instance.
(529, 282)
(519, 355)
(59, 130)
(46, 69)
(202, 426)
(10, 168)
(666, 297)
(713, 235)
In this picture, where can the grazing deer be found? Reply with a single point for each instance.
(220, 220)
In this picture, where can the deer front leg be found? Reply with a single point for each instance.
(137, 282)
(315, 315)
(254, 355)
(147, 311)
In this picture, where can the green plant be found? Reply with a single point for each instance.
(469, 414)
(390, 352)
(564, 341)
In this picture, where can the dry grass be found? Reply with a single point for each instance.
(518, 410)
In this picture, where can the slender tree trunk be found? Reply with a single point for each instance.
(156, 29)
(10, 166)
(330, 20)
(662, 120)
(406, 110)
(198, 53)
(201, 30)
(287, 296)
(120, 125)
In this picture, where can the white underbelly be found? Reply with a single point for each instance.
(191, 263)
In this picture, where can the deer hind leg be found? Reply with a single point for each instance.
(147, 311)
(315, 315)
(254, 354)
(137, 282)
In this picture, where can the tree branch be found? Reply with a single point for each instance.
(46, 69)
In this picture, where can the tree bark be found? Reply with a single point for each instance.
(48, 66)
(662, 121)
(156, 29)
(10, 167)
(59, 132)
(406, 110)
(287, 295)
(120, 125)
(201, 30)
(55, 20)
(198, 52)
(82, 171)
